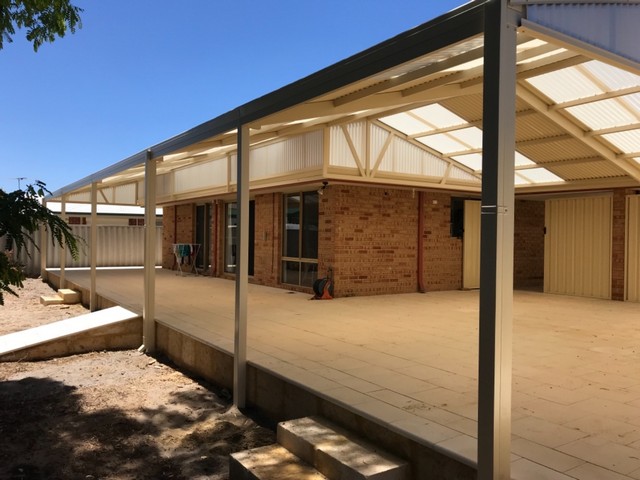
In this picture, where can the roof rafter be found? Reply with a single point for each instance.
(557, 118)
(621, 128)
(596, 98)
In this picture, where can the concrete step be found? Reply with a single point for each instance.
(51, 300)
(64, 296)
(69, 296)
(337, 453)
(272, 462)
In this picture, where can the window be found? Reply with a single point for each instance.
(139, 222)
(300, 239)
(231, 237)
(77, 221)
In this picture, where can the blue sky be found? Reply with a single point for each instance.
(142, 71)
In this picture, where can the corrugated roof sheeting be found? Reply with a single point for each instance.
(613, 78)
(610, 26)
(532, 126)
(614, 112)
(585, 171)
(565, 85)
(468, 107)
(396, 73)
(627, 142)
(553, 151)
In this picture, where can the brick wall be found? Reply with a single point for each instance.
(268, 213)
(369, 235)
(528, 261)
(168, 226)
(442, 252)
(178, 227)
(618, 244)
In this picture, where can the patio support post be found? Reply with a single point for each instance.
(43, 248)
(94, 247)
(496, 261)
(149, 308)
(242, 272)
(63, 248)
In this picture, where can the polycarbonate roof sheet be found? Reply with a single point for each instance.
(471, 160)
(614, 78)
(474, 160)
(471, 136)
(627, 142)
(438, 115)
(519, 180)
(565, 85)
(541, 56)
(613, 112)
(521, 160)
(633, 101)
(539, 175)
(406, 124)
(443, 143)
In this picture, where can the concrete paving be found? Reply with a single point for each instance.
(411, 361)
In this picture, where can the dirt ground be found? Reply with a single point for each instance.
(110, 415)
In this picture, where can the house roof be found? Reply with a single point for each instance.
(577, 107)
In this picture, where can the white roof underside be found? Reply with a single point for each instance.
(577, 118)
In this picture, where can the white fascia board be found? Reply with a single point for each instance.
(85, 209)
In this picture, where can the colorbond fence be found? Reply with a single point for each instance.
(118, 246)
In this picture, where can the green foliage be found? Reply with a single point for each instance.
(42, 19)
(21, 215)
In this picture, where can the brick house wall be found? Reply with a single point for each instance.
(369, 236)
(267, 244)
(442, 252)
(178, 227)
(528, 255)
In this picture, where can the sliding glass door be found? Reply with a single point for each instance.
(300, 239)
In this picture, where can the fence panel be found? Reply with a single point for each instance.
(118, 246)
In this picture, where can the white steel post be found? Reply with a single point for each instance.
(93, 296)
(242, 272)
(496, 261)
(149, 308)
(43, 248)
(63, 247)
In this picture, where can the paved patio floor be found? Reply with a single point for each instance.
(411, 361)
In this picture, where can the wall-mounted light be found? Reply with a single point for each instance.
(321, 189)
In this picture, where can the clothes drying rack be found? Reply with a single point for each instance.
(186, 254)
